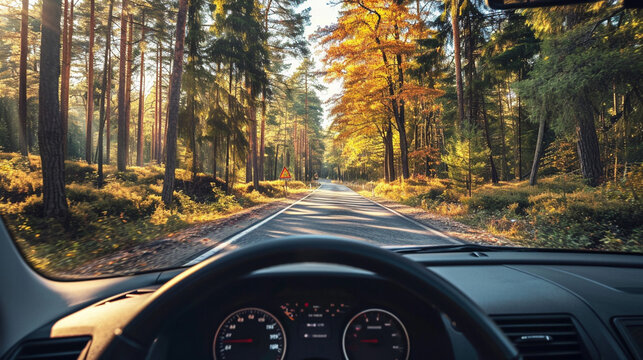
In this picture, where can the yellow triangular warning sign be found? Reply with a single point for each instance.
(285, 174)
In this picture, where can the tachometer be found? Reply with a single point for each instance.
(375, 334)
(250, 333)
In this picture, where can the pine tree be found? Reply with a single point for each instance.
(173, 108)
(50, 125)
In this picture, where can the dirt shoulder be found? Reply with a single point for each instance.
(176, 250)
(444, 224)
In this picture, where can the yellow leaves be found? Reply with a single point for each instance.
(412, 91)
(369, 46)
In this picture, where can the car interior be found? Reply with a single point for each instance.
(319, 297)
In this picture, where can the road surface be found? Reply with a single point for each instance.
(336, 210)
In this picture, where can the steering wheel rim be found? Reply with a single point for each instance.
(135, 339)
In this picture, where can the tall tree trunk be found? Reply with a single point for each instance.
(90, 86)
(253, 136)
(390, 152)
(215, 143)
(588, 148)
(401, 125)
(193, 126)
(387, 178)
(249, 154)
(215, 136)
(167, 108)
(122, 153)
(173, 108)
(404, 148)
(472, 116)
(492, 164)
(193, 24)
(22, 90)
(108, 104)
(262, 145)
(469, 174)
(295, 150)
(156, 108)
(159, 128)
(306, 170)
(50, 127)
(64, 89)
(519, 142)
(104, 98)
(227, 163)
(505, 170)
(538, 153)
(455, 8)
(626, 132)
(141, 100)
(227, 142)
(275, 167)
(128, 88)
(68, 34)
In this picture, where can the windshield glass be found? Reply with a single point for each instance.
(146, 135)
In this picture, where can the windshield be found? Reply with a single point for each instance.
(138, 136)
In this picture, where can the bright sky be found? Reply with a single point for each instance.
(321, 14)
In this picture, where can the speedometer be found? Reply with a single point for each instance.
(375, 334)
(250, 333)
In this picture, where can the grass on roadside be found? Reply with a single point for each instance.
(559, 212)
(127, 211)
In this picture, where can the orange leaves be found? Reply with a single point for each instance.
(370, 49)
(414, 92)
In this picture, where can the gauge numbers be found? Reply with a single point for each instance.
(375, 334)
(250, 333)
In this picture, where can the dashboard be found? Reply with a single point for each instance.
(309, 317)
(551, 305)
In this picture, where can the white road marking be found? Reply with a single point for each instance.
(433, 231)
(241, 234)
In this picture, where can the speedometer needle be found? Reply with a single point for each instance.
(237, 341)
(371, 341)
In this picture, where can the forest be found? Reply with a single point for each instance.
(205, 81)
(168, 104)
(524, 123)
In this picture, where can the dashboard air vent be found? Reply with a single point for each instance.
(543, 337)
(54, 349)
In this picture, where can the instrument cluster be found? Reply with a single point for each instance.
(311, 330)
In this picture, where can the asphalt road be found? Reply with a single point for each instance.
(336, 210)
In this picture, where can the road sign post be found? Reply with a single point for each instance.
(285, 175)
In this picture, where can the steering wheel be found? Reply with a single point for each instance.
(135, 339)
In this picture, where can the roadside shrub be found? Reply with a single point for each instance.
(224, 201)
(491, 199)
(76, 171)
(82, 193)
(148, 175)
(17, 180)
(129, 176)
(126, 211)
(295, 185)
(583, 220)
(30, 206)
(388, 190)
(560, 211)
